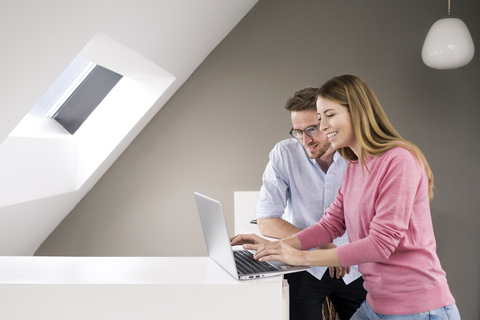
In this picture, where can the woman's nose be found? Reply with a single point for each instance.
(323, 124)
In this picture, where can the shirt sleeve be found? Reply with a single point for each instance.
(274, 190)
(331, 226)
(398, 188)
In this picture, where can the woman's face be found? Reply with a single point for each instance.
(336, 121)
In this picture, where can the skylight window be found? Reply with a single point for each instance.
(63, 87)
(76, 93)
(42, 159)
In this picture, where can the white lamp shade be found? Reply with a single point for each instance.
(448, 45)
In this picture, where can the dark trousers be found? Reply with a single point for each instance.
(307, 294)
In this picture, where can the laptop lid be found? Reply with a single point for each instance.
(217, 239)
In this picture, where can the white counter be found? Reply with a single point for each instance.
(90, 288)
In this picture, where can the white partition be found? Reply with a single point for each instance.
(245, 204)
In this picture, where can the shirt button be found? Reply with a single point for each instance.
(328, 187)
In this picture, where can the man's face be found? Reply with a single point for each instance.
(316, 146)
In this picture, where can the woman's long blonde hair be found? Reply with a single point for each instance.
(374, 132)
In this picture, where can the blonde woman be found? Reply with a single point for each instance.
(384, 203)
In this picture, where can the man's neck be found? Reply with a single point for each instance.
(325, 161)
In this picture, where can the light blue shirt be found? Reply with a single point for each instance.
(296, 189)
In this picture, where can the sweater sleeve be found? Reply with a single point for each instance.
(399, 180)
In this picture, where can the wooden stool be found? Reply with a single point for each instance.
(329, 310)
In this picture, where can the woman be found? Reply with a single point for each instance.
(384, 205)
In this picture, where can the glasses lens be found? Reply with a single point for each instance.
(311, 131)
(297, 134)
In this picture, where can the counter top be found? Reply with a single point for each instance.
(116, 270)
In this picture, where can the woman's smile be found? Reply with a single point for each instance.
(331, 135)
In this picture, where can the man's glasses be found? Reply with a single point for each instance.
(312, 132)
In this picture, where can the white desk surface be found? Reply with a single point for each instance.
(117, 270)
(130, 288)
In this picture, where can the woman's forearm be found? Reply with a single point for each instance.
(322, 258)
(293, 242)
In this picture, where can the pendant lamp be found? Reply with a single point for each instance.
(448, 45)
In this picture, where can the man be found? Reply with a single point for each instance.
(300, 181)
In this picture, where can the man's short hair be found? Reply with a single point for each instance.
(305, 99)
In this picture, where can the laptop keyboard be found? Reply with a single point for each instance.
(247, 264)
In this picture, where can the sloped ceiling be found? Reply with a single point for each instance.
(40, 38)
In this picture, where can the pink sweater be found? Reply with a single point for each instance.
(387, 215)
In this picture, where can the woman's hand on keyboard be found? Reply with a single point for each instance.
(279, 250)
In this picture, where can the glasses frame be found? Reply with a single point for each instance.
(304, 131)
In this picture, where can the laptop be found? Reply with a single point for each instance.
(239, 263)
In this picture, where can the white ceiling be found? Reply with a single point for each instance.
(40, 38)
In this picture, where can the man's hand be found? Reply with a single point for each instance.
(249, 241)
(341, 271)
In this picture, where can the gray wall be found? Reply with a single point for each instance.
(214, 135)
